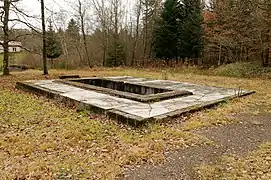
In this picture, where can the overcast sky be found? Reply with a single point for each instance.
(33, 6)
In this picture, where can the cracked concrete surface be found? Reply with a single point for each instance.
(139, 111)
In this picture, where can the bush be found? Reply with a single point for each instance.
(243, 70)
(31, 60)
(60, 65)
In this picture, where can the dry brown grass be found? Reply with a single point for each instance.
(42, 139)
(257, 165)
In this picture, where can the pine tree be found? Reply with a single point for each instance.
(180, 32)
(74, 44)
(192, 30)
(54, 49)
(150, 10)
(116, 57)
(167, 34)
(73, 29)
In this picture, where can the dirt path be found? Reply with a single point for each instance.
(235, 139)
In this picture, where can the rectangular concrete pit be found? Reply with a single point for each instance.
(122, 86)
(128, 90)
(165, 99)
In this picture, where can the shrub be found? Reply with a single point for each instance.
(243, 70)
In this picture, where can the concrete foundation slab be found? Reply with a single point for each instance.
(133, 110)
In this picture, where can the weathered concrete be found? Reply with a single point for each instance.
(130, 110)
(128, 90)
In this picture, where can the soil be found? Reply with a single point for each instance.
(236, 139)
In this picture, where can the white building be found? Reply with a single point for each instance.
(14, 46)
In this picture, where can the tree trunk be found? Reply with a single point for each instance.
(262, 56)
(66, 52)
(116, 28)
(105, 44)
(196, 61)
(6, 38)
(52, 63)
(241, 52)
(79, 54)
(220, 53)
(146, 35)
(81, 14)
(137, 32)
(267, 57)
(104, 56)
(44, 54)
(99, 6)
(105, 41)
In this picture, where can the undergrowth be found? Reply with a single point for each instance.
(244, 70)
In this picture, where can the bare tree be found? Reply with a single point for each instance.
(61, 21)
(150, 10)
(7, 7)
(82, 14)
(264, 24)
(116, 4)
(44, 57)
(138, 15)
(102, 16)
(116, 15)
(5, 44)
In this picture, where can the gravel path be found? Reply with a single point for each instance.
(235, 139)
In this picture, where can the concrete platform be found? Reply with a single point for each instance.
(132, 111)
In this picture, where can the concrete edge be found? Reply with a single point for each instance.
(127, 95)
(113, 113)
(199, 107)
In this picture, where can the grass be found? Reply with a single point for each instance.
(257, 165)
(243, 70)
(15, 58)
(40, 139)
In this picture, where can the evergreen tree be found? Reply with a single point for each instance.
(73, 44)
(73, 29)
(167, 34)
(116, 57)
(180, 32)
(192, 30)
(54, 49)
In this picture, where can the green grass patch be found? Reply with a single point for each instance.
(15, 58)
